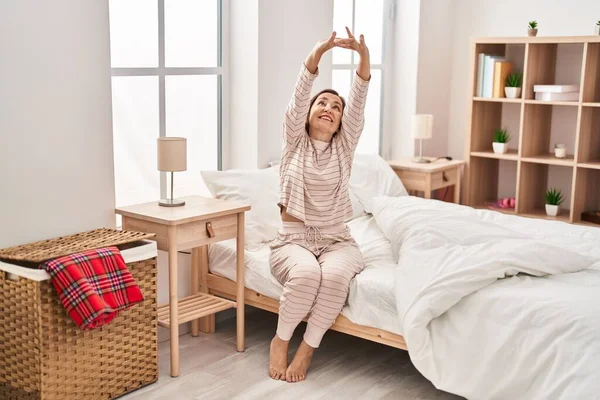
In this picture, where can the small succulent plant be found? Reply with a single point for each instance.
(514, 79)
(533, 24)
(501, 136)
(554, 197)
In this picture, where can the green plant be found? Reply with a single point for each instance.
(514, 79)
(533, 24)
(501, 136)
(598, 23)
(554, 197)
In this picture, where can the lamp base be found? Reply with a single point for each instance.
(171, 202)
(421, 160)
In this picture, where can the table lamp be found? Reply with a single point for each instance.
(422, 128)
(172, 156)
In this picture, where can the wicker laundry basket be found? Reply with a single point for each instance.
(44, 355)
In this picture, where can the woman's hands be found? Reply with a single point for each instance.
(364, 67)
(351, 43)
(313, 59)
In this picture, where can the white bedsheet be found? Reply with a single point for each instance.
(371, 300)
(496, 306)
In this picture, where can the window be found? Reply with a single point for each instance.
(365, 17)
(167, 79)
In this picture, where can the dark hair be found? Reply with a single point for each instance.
(314, 98)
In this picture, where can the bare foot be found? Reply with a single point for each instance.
(296, 372)
(278, 358)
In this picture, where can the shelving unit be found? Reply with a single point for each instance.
(530, 167)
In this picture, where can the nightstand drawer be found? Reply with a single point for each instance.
(207, 231)
(443, 178)
(191, 234)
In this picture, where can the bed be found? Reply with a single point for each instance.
(488, 305)
(370, 309)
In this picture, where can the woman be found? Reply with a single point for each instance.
(314, 256)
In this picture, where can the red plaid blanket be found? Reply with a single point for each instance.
(93, 285)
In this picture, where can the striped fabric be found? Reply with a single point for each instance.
(314, 175)
(316, 278)
(93, 285)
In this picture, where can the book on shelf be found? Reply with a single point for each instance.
(492, 71)
(501, 71)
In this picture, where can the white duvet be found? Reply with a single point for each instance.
(494, 306)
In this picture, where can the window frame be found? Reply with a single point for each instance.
(221, 71)
(387, 15)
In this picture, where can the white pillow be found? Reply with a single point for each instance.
(259, 188)
(373, 177)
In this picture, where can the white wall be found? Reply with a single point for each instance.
(56, 156)
(269, 40)
(243, 69)
(433, 81)
(401, 103)
(482, 18)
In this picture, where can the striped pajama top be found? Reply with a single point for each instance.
(314, 175)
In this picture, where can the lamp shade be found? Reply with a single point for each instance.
(172, 154)
(422, 126)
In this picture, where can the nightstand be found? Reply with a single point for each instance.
(200, 222)
(428, 177)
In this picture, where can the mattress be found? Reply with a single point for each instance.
(371, 301)
(145, 250)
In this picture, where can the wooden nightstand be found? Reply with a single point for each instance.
(430, 176)
(200, 222)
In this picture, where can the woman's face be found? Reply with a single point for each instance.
(326, 114)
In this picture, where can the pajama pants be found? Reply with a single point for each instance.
(315, 268)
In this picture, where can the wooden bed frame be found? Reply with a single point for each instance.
(223, 287)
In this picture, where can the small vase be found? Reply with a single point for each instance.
(597, 30)
(560, 152)
(500, 148)
(512, 92)
(532, 32)
(552, 210)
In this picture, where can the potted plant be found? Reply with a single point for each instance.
(598, 28)
(553, 201)
(532, 31)
(512, 88)
(501, 139)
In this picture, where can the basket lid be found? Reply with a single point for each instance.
(44, 250)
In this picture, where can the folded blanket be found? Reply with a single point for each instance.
(93, 285)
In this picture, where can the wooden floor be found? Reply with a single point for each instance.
(344, 367)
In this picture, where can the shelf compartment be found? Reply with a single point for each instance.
(535, 180)
(552, 63)
(587, 194)
(544, 125)
(550, 159)
(590, 164)
(591, 91)
(498, 99)
(492, 179)
(489, 116)
(512, 52)
(512, 154)
(193, 307)
(563, 216)
(589, 135)
(553, 103)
